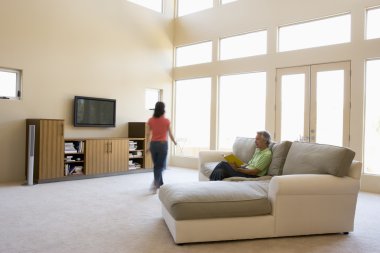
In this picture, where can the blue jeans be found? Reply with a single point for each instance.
(224, 170)
(159, 152)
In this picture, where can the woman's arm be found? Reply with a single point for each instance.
(148, 138)
(171, 136)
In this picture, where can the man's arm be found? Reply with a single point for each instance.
(252, 172)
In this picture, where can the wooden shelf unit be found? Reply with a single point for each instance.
(95, 157)
(139, 131)
(136, 153)
(74, 157)
(48, 149)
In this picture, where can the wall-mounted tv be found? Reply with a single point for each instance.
(94, 112)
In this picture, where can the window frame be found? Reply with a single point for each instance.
(18, 73)
(177, 14)
(237, 35)
(366, 22)
(310, 21)
(149, 8)
(189, 45)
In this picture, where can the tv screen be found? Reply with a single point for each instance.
(94, 112)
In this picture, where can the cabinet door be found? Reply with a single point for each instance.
(119, 155)
(51, 149)
(97, 153)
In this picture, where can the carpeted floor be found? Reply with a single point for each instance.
(117, 214)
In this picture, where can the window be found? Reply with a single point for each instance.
(372, 118)
(373, 21)
(243, 45)
(155, 5)
(242, 101)
(152, 96)
(323, 32)
(227, 1)
(190, 6)
(192, 116)
(10, 83)
(194, 54)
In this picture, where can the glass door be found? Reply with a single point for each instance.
(292, 103)
(313, 103)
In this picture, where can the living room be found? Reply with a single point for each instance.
(117, 49)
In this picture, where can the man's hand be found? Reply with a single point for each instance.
(234, 166)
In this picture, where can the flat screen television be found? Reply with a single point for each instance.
(94, 112)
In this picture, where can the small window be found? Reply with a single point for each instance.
(10, 83)
(194, 54)
(227, 1)
(152, 96)
(155, 5)
(245, 45)
(190, 6)
(373, 21)
(323, 32)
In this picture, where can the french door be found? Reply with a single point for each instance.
(313, 103)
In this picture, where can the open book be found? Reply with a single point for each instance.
(231, 158)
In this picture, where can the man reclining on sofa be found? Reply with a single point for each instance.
(256, 167)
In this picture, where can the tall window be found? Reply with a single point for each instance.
(328, 31)
(373, 21)
(155, 5)
(194, 54)
(372, 118)
(192, 116)
(10, 83)
(249, 44)
(242, 101)
(190, 6)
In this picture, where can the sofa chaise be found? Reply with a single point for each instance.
(310, 189)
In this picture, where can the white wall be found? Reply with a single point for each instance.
(112, 49)
(245, 16)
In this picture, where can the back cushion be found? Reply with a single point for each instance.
(279, 153)
(313, 158)
(244, 148)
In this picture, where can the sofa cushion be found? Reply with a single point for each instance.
(217, 199)
(313, 158)
(244, 148)
(279, 153)
(207, 168)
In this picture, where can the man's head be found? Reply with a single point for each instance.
(263, 139)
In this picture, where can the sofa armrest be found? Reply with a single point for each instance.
(355, 170)
(313, 204)
(211, 156)
(312, 184)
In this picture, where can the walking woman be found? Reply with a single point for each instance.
(158, 130)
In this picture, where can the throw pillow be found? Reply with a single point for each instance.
(313, 158)
(244, 148)
(279, 153)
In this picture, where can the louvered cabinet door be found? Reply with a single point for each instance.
(97, 156)
(119, 155)
(51, 149)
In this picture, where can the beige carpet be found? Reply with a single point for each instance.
(116, 214)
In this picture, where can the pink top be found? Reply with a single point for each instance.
(159, 127)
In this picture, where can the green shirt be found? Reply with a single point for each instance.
(261, 160)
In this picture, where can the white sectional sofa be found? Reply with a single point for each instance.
(311, 189)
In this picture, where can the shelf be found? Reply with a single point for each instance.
(76, 150)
